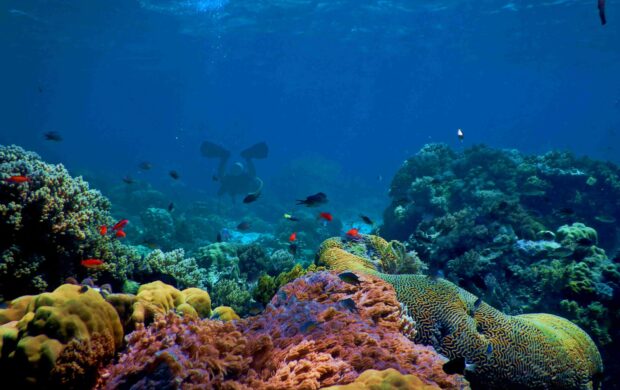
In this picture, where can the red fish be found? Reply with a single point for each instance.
(120, 224)
(354, 232)
(92, 263)
(326, 216)
(103, 230)
(293, 237)
(18, 179)
(120, 234)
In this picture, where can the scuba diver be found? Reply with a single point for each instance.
(240, 179)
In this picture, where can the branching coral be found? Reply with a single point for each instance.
(185, 271)
(49, 224)
(306, 339)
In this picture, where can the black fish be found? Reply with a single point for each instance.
(251, 197)
(145, 165)
(349, 304)
(367, 220)
(171, 207)
(292, 249)
(477, 303)
(584, 241)
(219, 237)
(457, 366)
(313, 200)
(174, 174)
(565, 212)
(255, 308)
(128, 180)
(215, 178)
(83, 289)
(52, 136)
(243, 226)
(349, 277)
(601, 12)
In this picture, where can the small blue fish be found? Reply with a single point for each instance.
(349, 277)
(349, 304)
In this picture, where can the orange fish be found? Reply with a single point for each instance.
(293, 237)
(103, 230)
(120, 234)
(18, 179)
(326, 216)
(92, 263)
(354, 232)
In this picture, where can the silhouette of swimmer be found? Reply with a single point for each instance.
(240, 179)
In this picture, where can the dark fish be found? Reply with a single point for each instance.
(174, 174)
(349, 304)
(40, 88)
(601, 12)
(367, 220)
(145, 165)
(243, 226)
(223, 235)
(489, 349)
(292, 249)
(83, 289)
(477, 303)
(565, 212)
(215, 178)
(584, 241)
(251, 197)
(349, 277)
(88, 282)
(308, 326)
(313, 200)
(52, 136)
(255, 308)
(219, 237)
(458, 366)
(563, 252)
(171, 207)
(128, 180)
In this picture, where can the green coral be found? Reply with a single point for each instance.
(230, 293)
(185, 271)
(49, 224)
(572, 234)
(267, 285)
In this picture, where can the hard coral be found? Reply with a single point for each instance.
(389, 379)
(510, 352)
(309, 336)
(49, 224)
(57, 338)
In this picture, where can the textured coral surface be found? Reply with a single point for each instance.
(317, 331)
(536, 351)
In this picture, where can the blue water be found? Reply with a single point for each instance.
(361, 83)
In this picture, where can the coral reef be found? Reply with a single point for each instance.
(389, 379)
(57, 339)
(49, 224)
(525, 351)
(267, 285)
(525, 233)
(185, 272)
(299, 342)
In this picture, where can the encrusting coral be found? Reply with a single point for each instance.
(509, 352)
(317, 331)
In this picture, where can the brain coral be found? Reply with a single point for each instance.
(57, 337)
(317, 331)
(536, 351)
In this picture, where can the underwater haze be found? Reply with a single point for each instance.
(308, 182)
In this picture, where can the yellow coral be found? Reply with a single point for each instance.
(532, 350)
(51, 321)
(224, 313)
(389, 379)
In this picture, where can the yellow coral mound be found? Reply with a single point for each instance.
(539, 351)
(389, 379)
(224, 313)
(37, 331)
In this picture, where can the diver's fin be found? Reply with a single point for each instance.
(259, 151)
(211, 150)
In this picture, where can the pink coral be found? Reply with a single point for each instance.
(317, 331)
